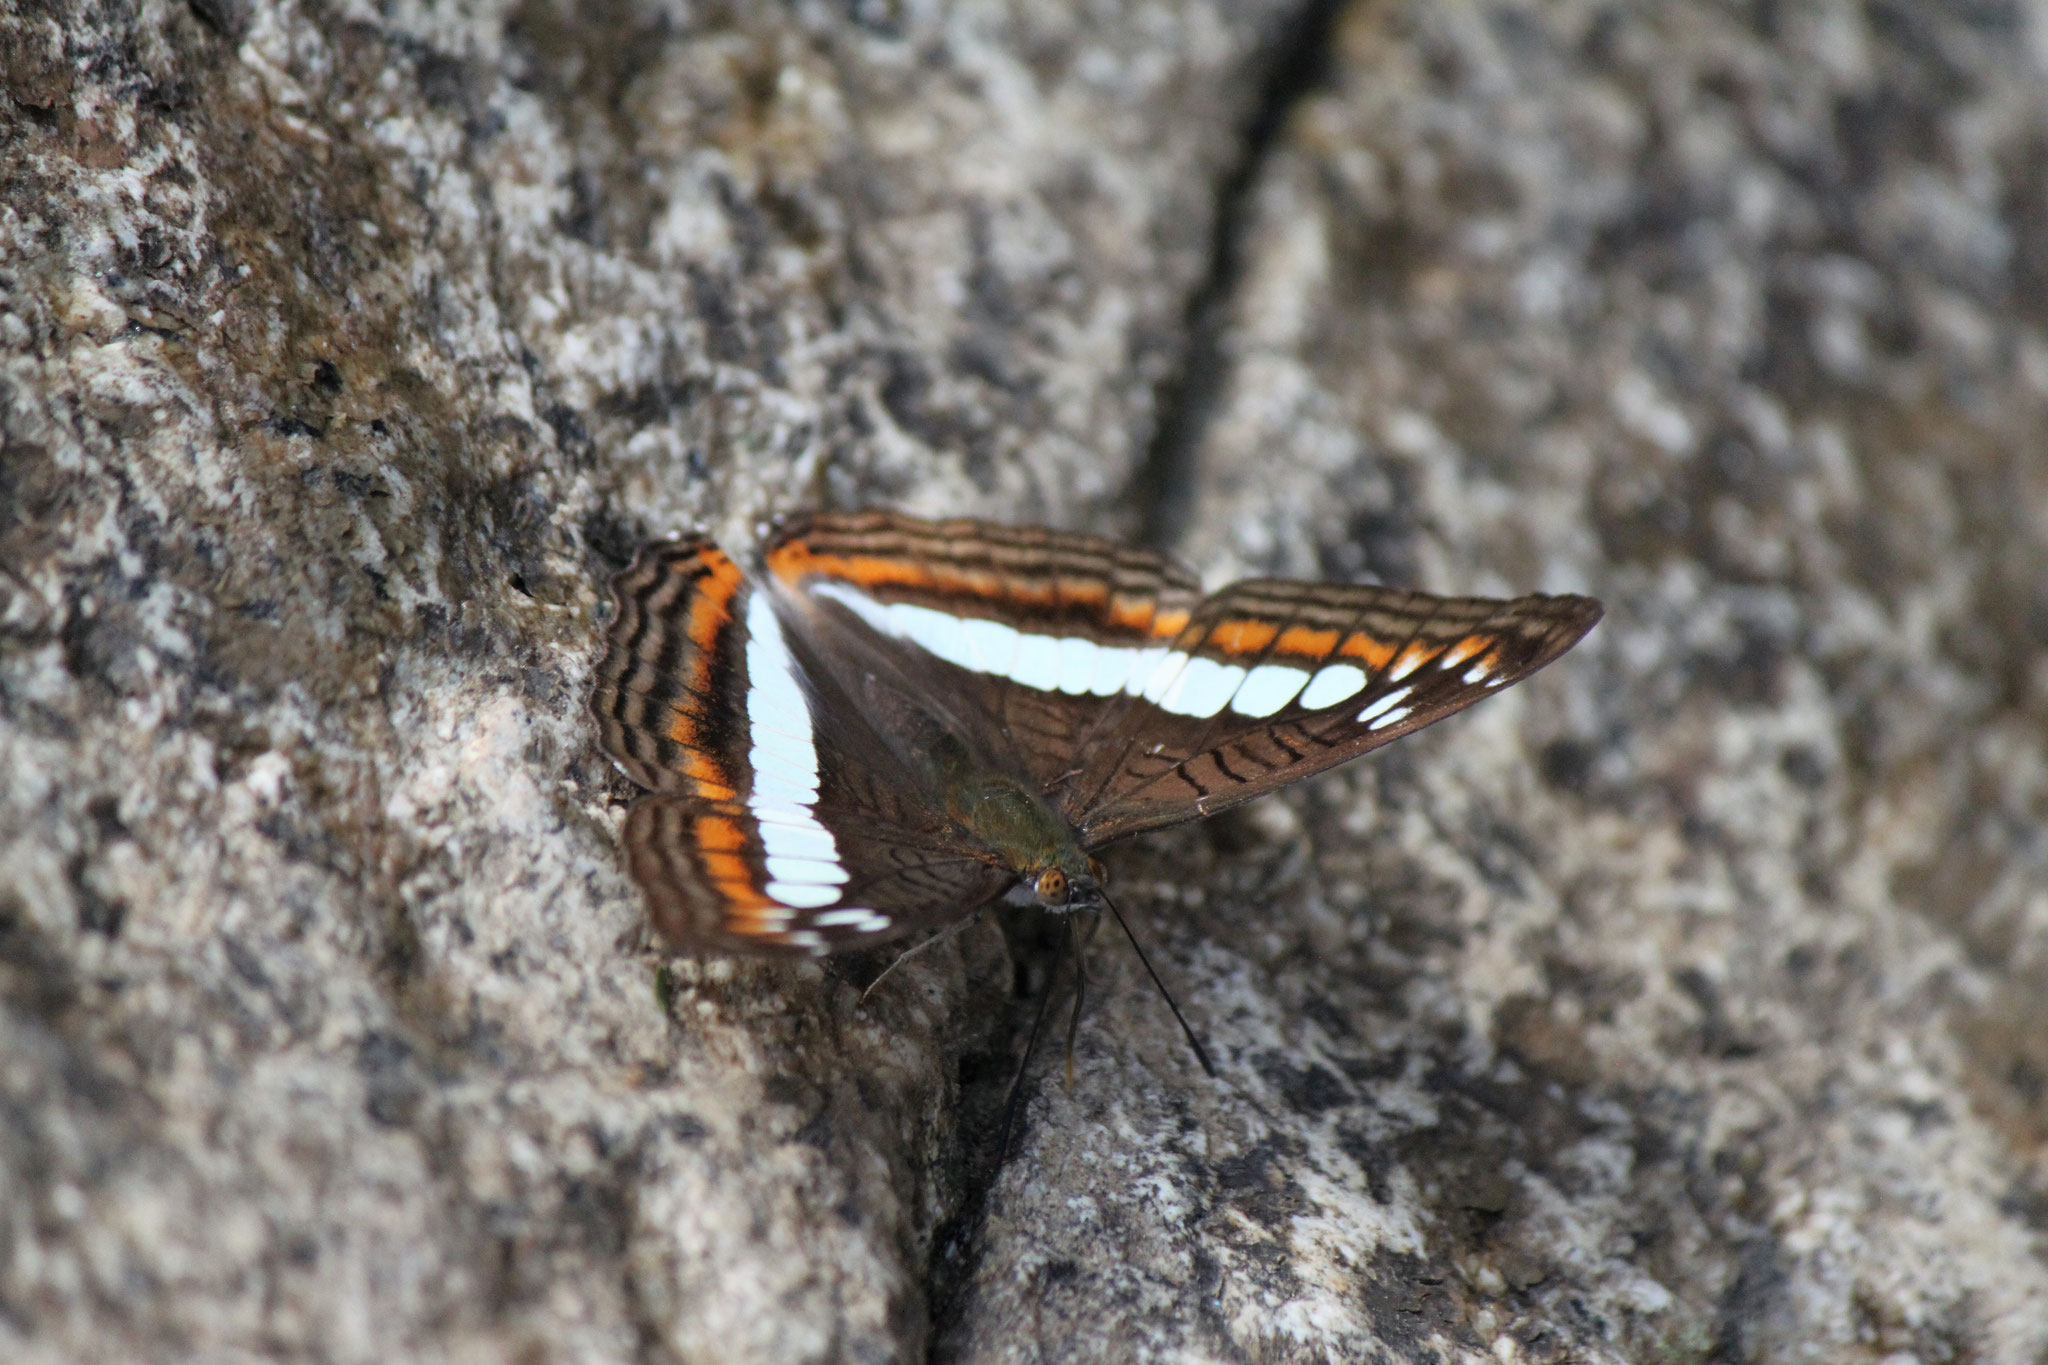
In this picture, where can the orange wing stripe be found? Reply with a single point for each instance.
(1242, 637)
(726, 867)
(1414, 657)
(710, 778)
(1085, 592)
(1465, 649)
(716, 833)
(720, 841)
(710, 612)
(1306, 642)
(795, 561)
(1363, 646)
(711, 609)
(1132, 613)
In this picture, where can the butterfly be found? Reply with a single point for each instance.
(895, 721)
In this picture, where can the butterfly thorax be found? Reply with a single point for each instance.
(1026, 834)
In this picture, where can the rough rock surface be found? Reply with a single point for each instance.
(1682, 1004)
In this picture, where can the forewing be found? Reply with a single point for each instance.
(766, 830)
(1031, 633)
(1273, 680)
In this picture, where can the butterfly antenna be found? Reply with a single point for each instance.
(1201, 1053)
(1080, 994)
(1024, 1065)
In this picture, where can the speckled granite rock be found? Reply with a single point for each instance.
(1682, 1004)
(346, 351)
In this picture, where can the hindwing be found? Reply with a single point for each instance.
(764, 829)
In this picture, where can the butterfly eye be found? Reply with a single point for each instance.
(1052, 887)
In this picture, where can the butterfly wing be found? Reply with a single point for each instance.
(764, 830)
(1273, 680)
(1026, 636)
(708, 878)
(1088, 667)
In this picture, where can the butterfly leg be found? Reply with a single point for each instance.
(1024, 1064)
(1080, 938)
(1074, 945)
(945, 935)
(1056, 783)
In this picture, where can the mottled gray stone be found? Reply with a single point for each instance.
(346, 351)
(1682, 1004)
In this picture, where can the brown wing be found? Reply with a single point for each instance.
(705, 871)
(1027, 635)
(656, 691)
(766, 829)
(1273, 680)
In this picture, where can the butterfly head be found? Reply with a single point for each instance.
(1072, 883)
